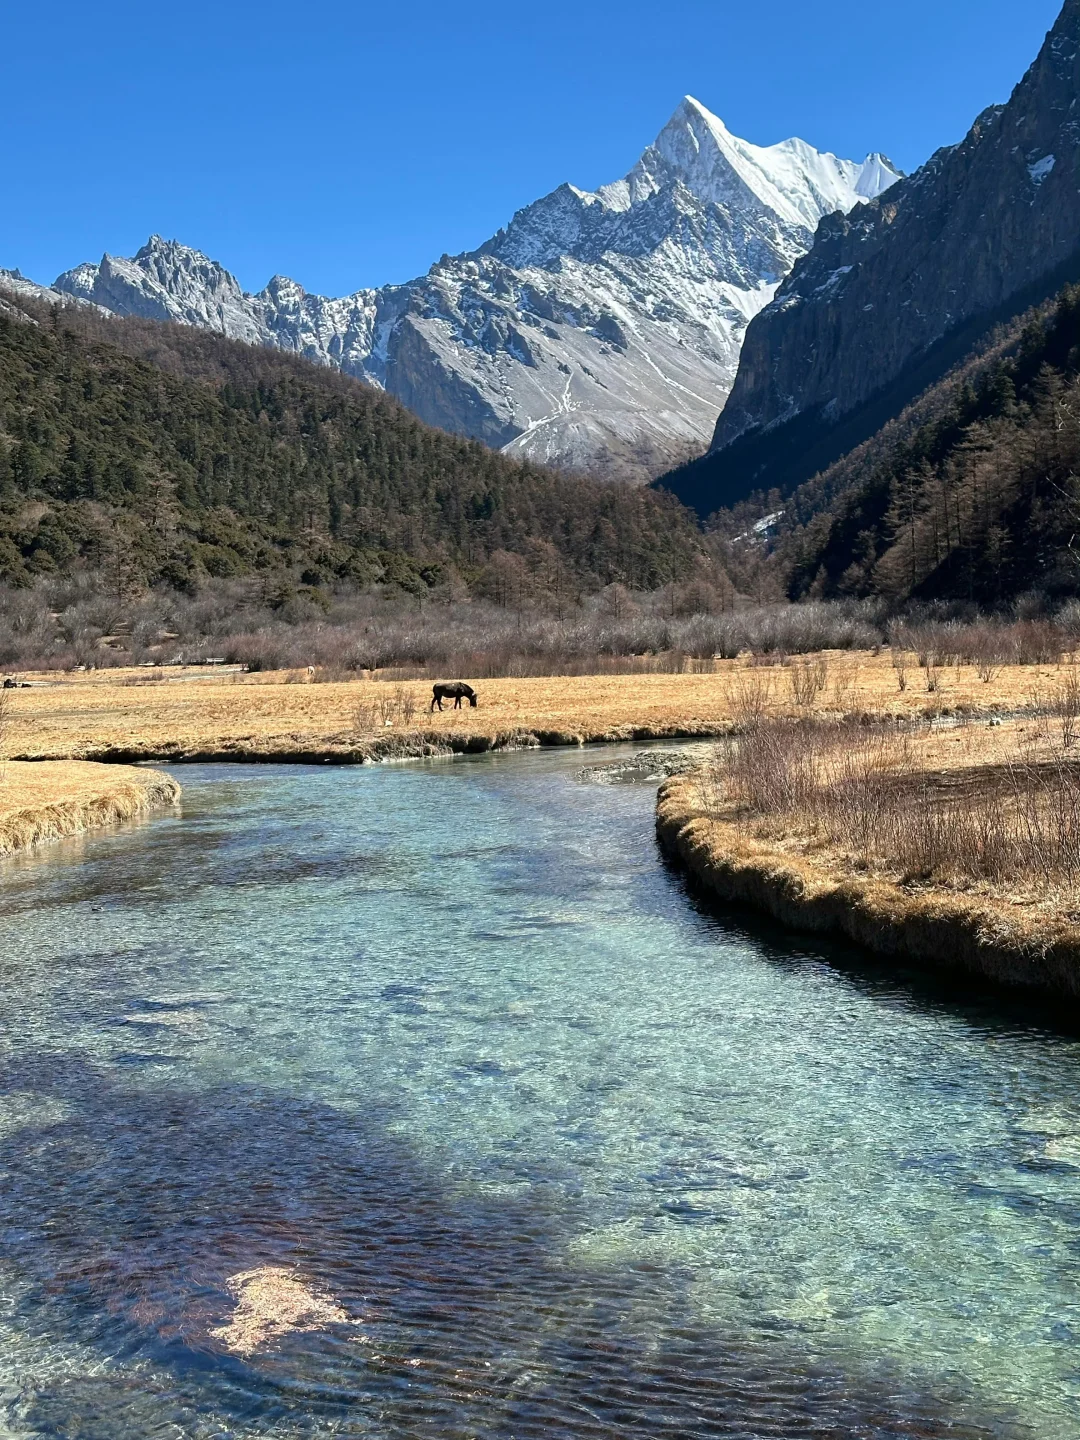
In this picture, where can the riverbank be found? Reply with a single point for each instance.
(1015, 932)
(43, 802)
(175, 715)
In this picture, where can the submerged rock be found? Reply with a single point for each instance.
(273, 1301)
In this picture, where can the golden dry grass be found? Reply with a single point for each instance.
(1018, 932)
(981, 935)
(966, 759)
(124, 713)
(40, 802)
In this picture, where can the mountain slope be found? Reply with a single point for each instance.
(599, 330)
(971, 493)
(172, 454)
(863, 321)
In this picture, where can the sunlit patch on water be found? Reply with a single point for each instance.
(424, 1103)
(180, 1018)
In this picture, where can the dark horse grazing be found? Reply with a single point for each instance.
(457, 692)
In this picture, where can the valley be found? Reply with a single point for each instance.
(290, 715)
(680, 1040)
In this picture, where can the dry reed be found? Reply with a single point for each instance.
(861, 791)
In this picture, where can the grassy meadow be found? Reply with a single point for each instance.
(170, 711)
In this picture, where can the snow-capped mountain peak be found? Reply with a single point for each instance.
(599, 329)
(878, 175)
(793, 180)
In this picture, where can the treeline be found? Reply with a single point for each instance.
(159, 455)
(973, 493)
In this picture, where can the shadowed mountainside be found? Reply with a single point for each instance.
(970, 493)
(895, 293)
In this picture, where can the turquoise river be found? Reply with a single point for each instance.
(556, 1151)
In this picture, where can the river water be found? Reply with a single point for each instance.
(564, 1154)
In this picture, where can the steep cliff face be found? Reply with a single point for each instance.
(599, 330)
(975, 227)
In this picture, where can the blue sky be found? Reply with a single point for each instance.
(352, 144)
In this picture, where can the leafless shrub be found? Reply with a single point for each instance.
(1037, 642)
(376, 712)
(899, 660)
(405, 704)
(1068, 620)
(5, 727)
(148, 677)
(269, 623)
(843, 687)
(808, 677)
(750, 697)
(984, 642)
(365, 717)
(1069, 707)
(382, 707)
(859, 789)
(933, 646)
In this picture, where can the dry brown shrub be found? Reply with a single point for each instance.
(405, 704)
(843, 687)
(808, 677)
(751, 697)
(382, 708)
(859, 789)
(1069, 707)
(5, 727)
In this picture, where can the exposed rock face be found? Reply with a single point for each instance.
(598, 330)
(971, 229)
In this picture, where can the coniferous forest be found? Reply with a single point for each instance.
(164, 455)
(972, 493)
(159, 456)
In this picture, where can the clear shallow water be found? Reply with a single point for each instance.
(576, 1158)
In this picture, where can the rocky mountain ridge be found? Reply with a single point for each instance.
(599, 330)
(854, 329)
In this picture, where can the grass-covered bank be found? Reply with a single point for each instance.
(42, 802)
(958, 851)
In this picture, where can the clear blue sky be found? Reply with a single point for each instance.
(352, 144)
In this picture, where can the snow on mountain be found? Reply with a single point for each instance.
(16, 283)
(599, 330)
